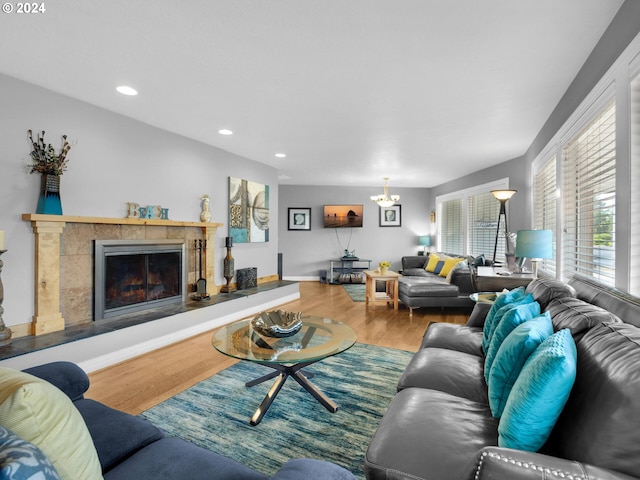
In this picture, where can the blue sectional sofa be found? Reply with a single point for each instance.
(72, 437)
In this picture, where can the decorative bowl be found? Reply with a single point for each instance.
(277, 323)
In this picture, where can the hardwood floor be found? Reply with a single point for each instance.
(140, 383)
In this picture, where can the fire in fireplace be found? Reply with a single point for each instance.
(133, 275)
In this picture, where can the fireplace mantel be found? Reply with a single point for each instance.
(48, 229)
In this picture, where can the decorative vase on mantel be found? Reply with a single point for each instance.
(49, 200)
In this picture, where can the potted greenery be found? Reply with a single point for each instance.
(50, 165)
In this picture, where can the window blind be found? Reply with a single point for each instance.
(451, 227)
(482, 219)
(544, 206)
(589, 184)
(634, 241)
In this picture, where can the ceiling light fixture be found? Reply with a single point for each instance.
(281, 155)
(126, 90)
(385, 200)
(225, 131)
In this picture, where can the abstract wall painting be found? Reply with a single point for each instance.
(248, 211)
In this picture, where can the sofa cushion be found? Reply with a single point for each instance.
(116, 434)
(452, 336)
(603, 429)
(43, 415)
(21, 460)
(545, 290)
(173, 458)
(512, 317)
(430, 286)
(449, 371)
(429, 434)
(578, 316)
(512, 297)
(303, 468)
(539, 394)
(511, 357)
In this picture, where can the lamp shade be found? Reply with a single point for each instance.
(534, 244)
(424, 240)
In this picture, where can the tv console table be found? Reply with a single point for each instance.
(347, 265)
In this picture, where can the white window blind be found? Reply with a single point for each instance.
(589, 187)
(451, 227)
(544, 206)
(634, 241)
(482, 219)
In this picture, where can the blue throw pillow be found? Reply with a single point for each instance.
(511, 357)
(21, 460)
(493, 316)
(512, 317)
(539, 394)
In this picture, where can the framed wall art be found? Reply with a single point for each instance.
(248, 211)
(390, 216)
(299, 219)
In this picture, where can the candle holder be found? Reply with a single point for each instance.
(228, 268)
(5, 332)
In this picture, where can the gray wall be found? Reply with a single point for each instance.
(116, 160)
(307, 252)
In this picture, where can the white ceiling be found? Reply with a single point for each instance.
(421, 91)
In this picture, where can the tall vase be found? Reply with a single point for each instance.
(49, 200)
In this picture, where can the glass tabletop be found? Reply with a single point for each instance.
(318, 338)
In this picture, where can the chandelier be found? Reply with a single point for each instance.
(385, 200)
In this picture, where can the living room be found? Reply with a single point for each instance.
(116, 158)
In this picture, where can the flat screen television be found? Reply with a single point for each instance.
(341, 216)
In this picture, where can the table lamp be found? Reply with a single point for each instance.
(534, 245)
(424, 241)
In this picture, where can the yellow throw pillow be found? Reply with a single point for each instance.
(42, 414)
(449, 263)
(431, 264)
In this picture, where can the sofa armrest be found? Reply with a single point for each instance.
(67, 376)
(461, 277)
(478, 315)
(496, 463)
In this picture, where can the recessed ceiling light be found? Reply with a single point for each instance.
(225, 131)
(281, 155)
(126, 90)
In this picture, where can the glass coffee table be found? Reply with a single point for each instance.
(318, 338)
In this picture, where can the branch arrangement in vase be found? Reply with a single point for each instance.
(44, 156)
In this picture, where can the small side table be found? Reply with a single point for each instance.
(391, 288)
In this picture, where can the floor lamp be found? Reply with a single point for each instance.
(502, 196)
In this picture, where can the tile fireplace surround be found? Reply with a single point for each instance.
(64, 249)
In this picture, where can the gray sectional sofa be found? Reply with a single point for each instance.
(419, 288)
(440, 425)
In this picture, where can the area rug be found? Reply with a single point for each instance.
(357, 291)
(215, 413)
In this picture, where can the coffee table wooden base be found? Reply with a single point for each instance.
(283, 372)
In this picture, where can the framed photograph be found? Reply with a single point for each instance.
(299, 219)
(390, 216)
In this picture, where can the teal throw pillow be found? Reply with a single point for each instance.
(512, 317)
(539, 394)
(493, 316)
(21, 460)
(511, 357)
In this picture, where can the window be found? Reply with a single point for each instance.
(451, 235)
(589, 200)
(482, 218)
(468, 219)
(634, 245)
(544, 205)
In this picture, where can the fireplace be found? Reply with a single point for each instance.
(134, 275)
